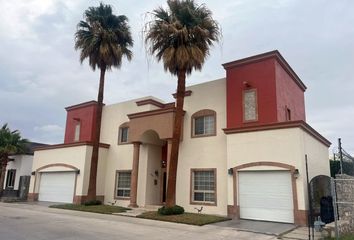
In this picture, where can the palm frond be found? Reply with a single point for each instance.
(181, 35)
(103, 38)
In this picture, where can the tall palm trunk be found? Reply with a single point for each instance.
(177, 127)
(3, 161)
(91, 194)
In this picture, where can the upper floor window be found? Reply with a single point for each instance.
(250, 108)
(204, 123)
(288, 114)
(123, 133)
(77, 131)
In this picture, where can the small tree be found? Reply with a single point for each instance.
(11, 143)
(104, 39)
(180, 36)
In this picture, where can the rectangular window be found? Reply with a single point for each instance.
(77, 131)
(123, 135)
(10, 180)
(204, 125)
(250, 105)
(204, 186)
(123, 184)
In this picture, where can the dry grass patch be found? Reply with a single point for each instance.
(186, 218)
(103, 209)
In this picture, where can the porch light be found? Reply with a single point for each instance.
(296, 173)
(230, 171)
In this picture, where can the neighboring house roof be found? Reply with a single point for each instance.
(32, 145)
(30, 148)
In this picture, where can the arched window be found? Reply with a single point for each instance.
(123, 133)
(204, 123)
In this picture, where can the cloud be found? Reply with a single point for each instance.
(40, 73)
(50, 133)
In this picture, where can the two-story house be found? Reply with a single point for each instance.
(242, 153)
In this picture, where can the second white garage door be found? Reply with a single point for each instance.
(266, 195)
(57, 187)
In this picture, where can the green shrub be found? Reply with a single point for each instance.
(175, 210)
(92, 203)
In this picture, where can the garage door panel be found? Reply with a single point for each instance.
(266, 195)
(260, 201)
(57, 187)
(281, 215)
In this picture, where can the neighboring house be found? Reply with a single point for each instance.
(19, 165)
(242, 152)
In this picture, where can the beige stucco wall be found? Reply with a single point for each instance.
(78, 157)
(287, 146)
(120, 157)
(204, 152)
(317, 158)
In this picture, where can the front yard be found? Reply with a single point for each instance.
(186, 218)
(103, 209)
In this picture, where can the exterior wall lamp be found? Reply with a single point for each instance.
(230, 171)
(296, 173)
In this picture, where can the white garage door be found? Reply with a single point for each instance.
(266, 195)
(57, 187)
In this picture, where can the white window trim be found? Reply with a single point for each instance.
(116, 188)
(192, 201)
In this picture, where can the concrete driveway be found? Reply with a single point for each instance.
(36, 222)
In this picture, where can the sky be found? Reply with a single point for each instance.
(40, 72)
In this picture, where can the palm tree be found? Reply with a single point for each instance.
(11, 142)
(104, 39)
(181, 37)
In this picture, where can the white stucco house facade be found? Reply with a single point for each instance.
(19, 165)
(242, 153)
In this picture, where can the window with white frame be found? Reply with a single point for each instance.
(10, 179)
(122, 184)
(204, 186)
(250, 111)
(204, 123)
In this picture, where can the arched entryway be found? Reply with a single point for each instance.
(153, 168)
(149, 175)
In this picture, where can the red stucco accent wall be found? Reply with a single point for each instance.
(289, 95)
(259, 75)
(86, 113)
(278, 89)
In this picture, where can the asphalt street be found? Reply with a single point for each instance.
(38, 222)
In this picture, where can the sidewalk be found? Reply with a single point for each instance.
(301, 233)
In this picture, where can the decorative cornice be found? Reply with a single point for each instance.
(281, 125)
(150, 101)
(261, 57)
(187, 93)
(66, 145)
(169, 109)
(81, 105)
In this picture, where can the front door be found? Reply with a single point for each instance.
(164, 185)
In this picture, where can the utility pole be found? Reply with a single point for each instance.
(340, 155)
